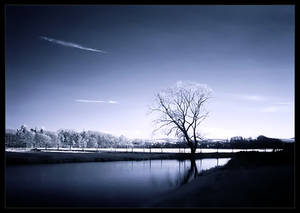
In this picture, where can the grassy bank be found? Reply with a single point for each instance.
(247, 180)
(62, 157)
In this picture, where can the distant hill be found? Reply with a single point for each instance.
(288, 140)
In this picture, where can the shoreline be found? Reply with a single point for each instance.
(31, 157)
(247, 180)
(268, 186)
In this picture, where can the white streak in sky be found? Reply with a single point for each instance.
(254, 98)
(95, 101)
(271, 109)
(283, 103)
(246, 97)
(251, 97)
(278, 106)
(69, 44)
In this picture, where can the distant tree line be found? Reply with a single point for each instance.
(65, 138)
(238, 142)
(35, 138)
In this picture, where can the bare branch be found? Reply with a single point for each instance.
(181, 110)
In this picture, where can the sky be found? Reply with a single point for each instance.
(98, 67)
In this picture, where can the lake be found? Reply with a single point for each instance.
(98, 184)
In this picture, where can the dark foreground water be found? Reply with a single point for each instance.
(98, 184)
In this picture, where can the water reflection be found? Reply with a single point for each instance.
(104, 184)
(192, 168)
(189, 174)
(187, 170)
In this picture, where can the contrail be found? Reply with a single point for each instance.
(95, 101)
(70, 44)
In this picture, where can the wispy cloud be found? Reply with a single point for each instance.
(283, 103)
(96, 101)
(270, 109)
(274, 100)
(278, 106)
(112, 102)
(246, 97)
(253, 97)
(250, 97)
(70, 44)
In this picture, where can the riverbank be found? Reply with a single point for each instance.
(41, 157)
(247, 180)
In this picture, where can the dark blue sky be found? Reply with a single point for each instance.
(57, 78)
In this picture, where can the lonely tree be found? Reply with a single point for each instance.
(181, 111)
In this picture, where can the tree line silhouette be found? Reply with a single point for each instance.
(35, 138)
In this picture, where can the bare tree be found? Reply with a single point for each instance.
(181, 110)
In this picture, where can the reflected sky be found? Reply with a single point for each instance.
(124, 183)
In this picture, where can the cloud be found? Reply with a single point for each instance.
(283, 103)
(253, 97)
(271, 109)
(258, 98)
(69, 44)
(278, 106)
(95, 101)
(250, 97)
(112, 102)
(219, 133)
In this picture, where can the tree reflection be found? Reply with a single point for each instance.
(188, 174)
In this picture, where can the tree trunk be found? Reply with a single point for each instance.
(191, 173)
(193, 150)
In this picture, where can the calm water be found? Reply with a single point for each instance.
(103, 184)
